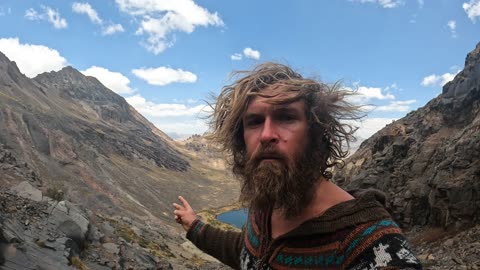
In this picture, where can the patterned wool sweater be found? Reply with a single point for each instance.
(357, 234)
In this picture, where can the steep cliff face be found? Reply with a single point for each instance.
(72, 132)
(429, 161)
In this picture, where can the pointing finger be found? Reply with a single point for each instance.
(184, 202)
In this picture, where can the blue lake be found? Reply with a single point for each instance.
(236, 217)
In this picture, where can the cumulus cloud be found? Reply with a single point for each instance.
(472, 9)
(452, 25)
(85, 8)
(396, 106)
(32, 59)
(438, 80)
(173, 118)
(48, 14)
(165, 75)
(364, 94)
(383, 3)
(152, 109)
(236, 57)
(251, 53)
(160, 18)
(115, 81)
(112, 29)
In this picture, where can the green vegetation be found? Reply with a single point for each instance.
(77, 263)
(56, 193)
(157, 249)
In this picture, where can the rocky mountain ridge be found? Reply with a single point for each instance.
(70, 137)
(428, 164)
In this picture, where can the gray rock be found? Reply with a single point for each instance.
(111, 248)
(26, 190)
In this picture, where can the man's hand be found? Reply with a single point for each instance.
(184, 213)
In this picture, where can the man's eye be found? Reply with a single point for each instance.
(253, 122)
(286, 117)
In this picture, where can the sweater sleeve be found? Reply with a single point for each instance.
(223, 245)
(379, 246)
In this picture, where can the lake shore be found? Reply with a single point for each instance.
(210, 216)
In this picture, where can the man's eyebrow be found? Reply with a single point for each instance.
(287, 109)
(249, 115)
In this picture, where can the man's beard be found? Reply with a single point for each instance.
(282, 184)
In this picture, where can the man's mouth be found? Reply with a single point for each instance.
(270, 157)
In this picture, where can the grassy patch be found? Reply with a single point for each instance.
(158, 249)
(77, 263)
(210, 216)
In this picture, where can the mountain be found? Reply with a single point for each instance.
(66, 136)
(74, 132)
(428, 164)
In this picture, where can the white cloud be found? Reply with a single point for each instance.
(85, 8)
(438, 80)
(383, 3)
(236, 57)
(368, 126)
(112, 29)
(115, 81)
(452, 25)
(32, 59)
(49, 14)
(32, 14)
(164, 75)
(250, 53)
(396, 106)
(472, 9)
(173, 118)
(374, 93)
(152, 109)
(365, 94)
(160, 18)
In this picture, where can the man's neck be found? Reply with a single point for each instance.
(326, 195)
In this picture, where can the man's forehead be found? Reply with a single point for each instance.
(259, 103)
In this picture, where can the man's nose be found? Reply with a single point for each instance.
(269, 132)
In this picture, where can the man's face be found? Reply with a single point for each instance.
(275, 133)
(280, 168)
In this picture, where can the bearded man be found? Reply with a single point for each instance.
(285, 133)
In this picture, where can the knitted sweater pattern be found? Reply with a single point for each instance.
(357, 234)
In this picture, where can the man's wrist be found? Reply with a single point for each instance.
(196, 227)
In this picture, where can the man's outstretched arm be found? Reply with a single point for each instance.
(223, 245)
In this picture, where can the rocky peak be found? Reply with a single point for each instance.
(468, 79)
(9, 72)
(73, 84)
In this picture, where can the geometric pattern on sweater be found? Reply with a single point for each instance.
(341, 251)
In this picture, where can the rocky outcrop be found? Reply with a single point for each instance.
(429, 161)
(37, 232)
(48, 234)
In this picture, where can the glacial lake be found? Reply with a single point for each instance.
(236, 217)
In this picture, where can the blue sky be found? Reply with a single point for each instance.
(165, 56)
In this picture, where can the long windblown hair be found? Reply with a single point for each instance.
(326, 108)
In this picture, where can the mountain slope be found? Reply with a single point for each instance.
(429, 161)
(75, 134)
